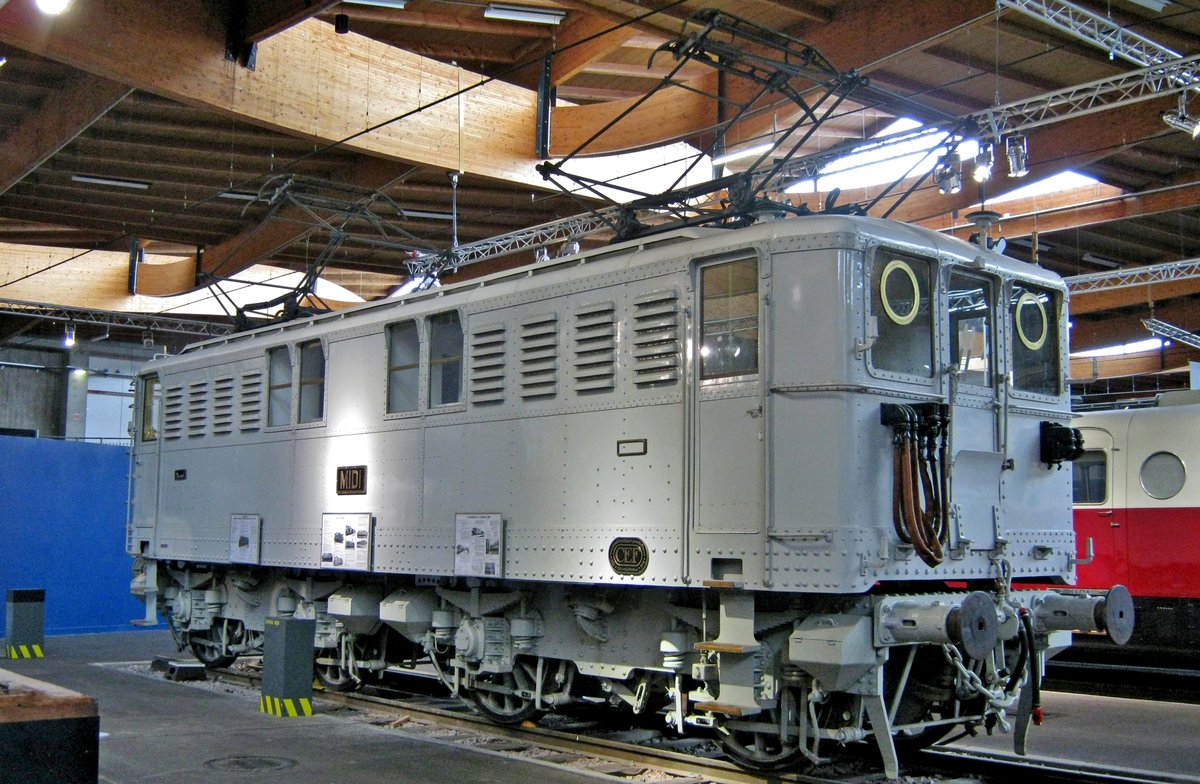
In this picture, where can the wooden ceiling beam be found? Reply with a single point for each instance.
(1068, 217)
(676, 112)
(63, 116)
(583, 41)
(262, 19)
(308, 81)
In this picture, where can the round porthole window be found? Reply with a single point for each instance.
(899, 292)
(1032, 324)
(1162, 475)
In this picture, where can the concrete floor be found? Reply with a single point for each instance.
(153, 730)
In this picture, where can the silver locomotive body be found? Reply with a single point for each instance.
(722, 474)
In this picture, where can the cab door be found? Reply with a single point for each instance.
(1099, 512)
(728, 453)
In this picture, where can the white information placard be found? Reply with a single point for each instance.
(245, 533)
(478, 545)
(346, 541)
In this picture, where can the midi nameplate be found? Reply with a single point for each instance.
(352, 480)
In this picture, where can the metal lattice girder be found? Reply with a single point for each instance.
(107, 318)
(1171, 332)
(1101, 95)
(1139, 276)
(1095, 29)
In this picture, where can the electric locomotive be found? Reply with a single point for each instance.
(773, 483)
(1137, 513)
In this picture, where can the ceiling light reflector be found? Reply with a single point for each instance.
(745, 152)
(116, 182)
(521, 13)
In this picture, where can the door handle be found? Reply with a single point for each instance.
(1114, 525)
(1106, 513)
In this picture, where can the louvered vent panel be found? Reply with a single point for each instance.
(222, 406)
(656, 338)
(539, 357)
(250, 404)
(595, 348)
(173, 412)
(197, 406)
(487, 364)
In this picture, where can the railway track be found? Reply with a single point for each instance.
(585, 743)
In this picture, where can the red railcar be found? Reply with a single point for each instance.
(1137, 500)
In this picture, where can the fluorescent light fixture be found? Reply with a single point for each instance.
(1099, 261)
(69, 336)
(1150, 344)
(52, 7)
(397, 4)
(522, 13)
(745, 152)
(1181, 121)
(1156, 6)
(116, 182)
(428, 215)
(238, 195)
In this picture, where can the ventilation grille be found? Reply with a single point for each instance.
(539, 357)
(656, 338)
(197, 405)
(596, 348)
(173, 412)
(487, 364)
(251, 402)
(222, 406)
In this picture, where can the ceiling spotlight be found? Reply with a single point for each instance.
(1016, 148)
(947, 174)
(522, 13)
(984, 160)
(1182, 121)
(68, 336)
(52, 7)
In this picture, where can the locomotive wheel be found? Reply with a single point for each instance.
(505, 707)
(758, 743)
(332, 676)
(209, 652)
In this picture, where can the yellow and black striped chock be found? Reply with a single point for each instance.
(24, 616)
(287, 667)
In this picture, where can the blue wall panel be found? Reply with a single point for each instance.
(62, 528)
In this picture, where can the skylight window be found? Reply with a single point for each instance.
(1137, 347)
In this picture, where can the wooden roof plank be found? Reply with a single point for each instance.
(63, 116)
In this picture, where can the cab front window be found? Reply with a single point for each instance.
(1035, 325)
(902, 312)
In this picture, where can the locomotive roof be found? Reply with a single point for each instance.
(708, 241)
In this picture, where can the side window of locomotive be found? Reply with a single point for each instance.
(729, 319)
(404, 367)
(312, 381)
(903, 313)
(445, 359)
(1034, 315)
(1090, 474)
(1162, 475)
(151, 408)
(970, 307)
(279, 386)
